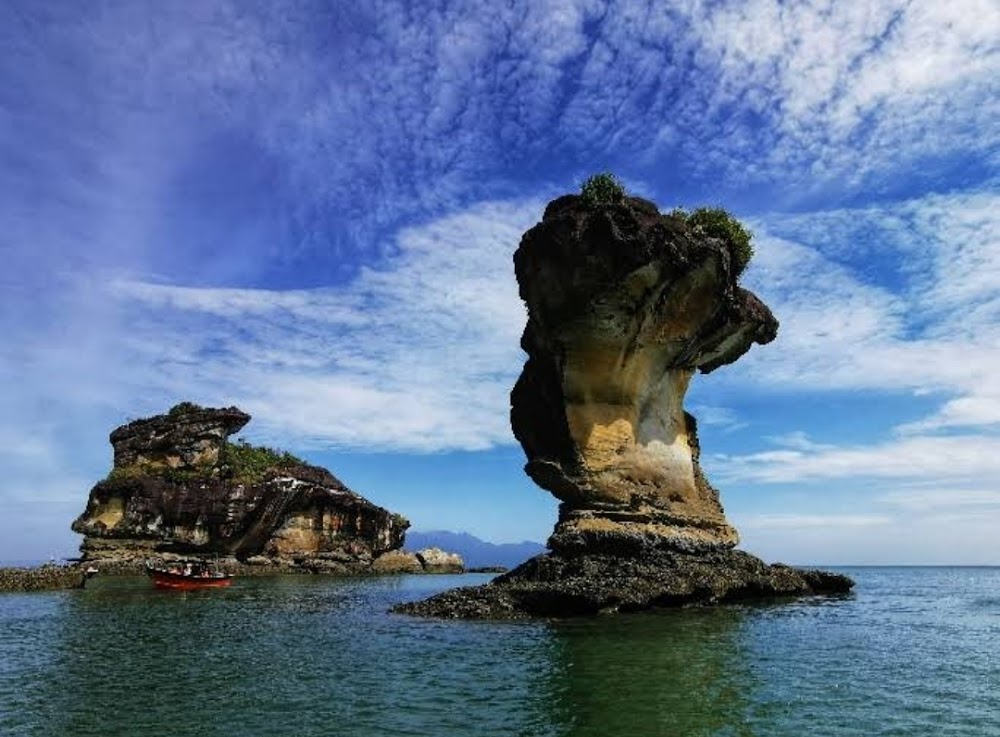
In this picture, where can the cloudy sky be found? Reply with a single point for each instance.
(308, 209)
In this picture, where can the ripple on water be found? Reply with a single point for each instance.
(911, 652)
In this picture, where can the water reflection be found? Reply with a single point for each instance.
(914, 653)
(294, 655)
(678, 672)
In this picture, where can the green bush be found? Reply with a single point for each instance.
(250, 463)
(602, 189)
(183, 408)
(718, 223)
(123, 474)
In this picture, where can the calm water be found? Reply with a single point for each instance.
(913, 652)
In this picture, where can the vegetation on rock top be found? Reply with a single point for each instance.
(250, 463)
(603, 189)
(183, 408)
(239, 461)
(717, 222)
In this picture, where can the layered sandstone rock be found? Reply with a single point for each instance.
(187, 437)
(625, 305)
(179, 487)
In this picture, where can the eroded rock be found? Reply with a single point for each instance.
(427, 560)
(179, 487)
(398, 561)
(625, 305)
(187, 437)
(435, 560)
(557, 585)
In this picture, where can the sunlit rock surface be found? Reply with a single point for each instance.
(427, 560)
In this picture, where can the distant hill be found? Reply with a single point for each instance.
(476, 553)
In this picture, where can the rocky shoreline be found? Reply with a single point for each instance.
(557, 586)
(49, 577)
(46, 577)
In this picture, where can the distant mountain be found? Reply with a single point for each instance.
(476, 553)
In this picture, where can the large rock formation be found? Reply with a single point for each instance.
(179, 487)
(624, 306)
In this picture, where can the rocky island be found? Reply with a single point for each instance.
(625, 305)
(179, 487)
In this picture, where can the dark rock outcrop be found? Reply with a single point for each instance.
(560, 585)
(624, 306)
(43, 578)
(178, 487)
(187, 437)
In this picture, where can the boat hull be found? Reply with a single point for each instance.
(180, 582)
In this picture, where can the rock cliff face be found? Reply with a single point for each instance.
(188, 437)
(625, 305)
(178, 486)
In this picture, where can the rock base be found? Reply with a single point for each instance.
(43, 578)
(555, 585)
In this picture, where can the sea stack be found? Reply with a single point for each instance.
(180, 487)
(625, 305)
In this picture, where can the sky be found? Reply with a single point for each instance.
(308, 209)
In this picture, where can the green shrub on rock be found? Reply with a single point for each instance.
(718, 223)
(124, 474)
(183, 408)
(250, 463)
(602, 189)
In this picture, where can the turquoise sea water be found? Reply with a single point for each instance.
(915, 651)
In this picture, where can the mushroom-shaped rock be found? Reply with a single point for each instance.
(624, 306)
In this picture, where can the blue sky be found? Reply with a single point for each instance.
(308, 209)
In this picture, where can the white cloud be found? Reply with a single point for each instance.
(950, 458)
(968, 539)
(798, 440)
(930, 329)
(936, 500)
(809, 521)
(855, 90)
(975, 410)
(935, 330)
(418, 355)
(721, 417)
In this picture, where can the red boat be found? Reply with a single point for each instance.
(187, 576)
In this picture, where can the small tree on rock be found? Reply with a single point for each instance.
(718, 223)
(602, 189)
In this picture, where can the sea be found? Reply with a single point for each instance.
(913, 651)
